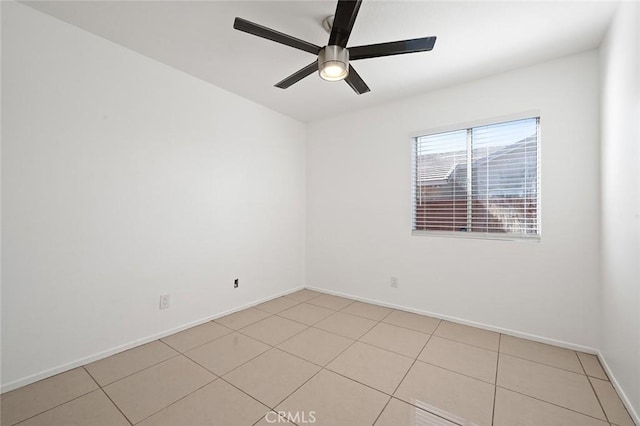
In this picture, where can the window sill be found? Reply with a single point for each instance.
(478, 235)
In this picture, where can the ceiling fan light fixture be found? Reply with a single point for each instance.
(333, 63)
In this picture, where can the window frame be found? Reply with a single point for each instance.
(530, 114)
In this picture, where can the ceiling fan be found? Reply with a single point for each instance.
(333, 59)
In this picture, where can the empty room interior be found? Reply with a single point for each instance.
(334, 213)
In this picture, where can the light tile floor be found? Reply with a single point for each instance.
(327, 360)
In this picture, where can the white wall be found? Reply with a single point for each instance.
(359, 208)
(122, 179)
(620, 212)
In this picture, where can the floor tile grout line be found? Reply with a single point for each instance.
(411, 329)
(427, 335)
(329, 331)
(117, 407)
(600, 378)
(298, 356)
(413, 363)
(275, 313)
(297, 388)
(455, 371)
(606, 379)
(437, 326)
(266, 343)
(327, 307)
(359, 341)
(593, 389)
(312, 362)
(238, 366)
(138, 371)
(584, 371)
(349, 337)
(261, 353)
(353, 343)
(168, 359)
(249, 395)
(288, 395)
(101, 387)
(279, 402)
(495, 387)
(387, 350)
(351, 301)
(551, 403)
(300, 305)
(178, 352)
(382, 411)
(303, 301)
(265, 415)
(333, 311)
(201, 344)
(440, 320)
(319, 293)
(52, 408)
(247, 325)
(392, 351)
(322, 368)
(179, 399)
(464, 343)
(407, 373)
(371, 319)
(46, 378)
(362, 383)
(382, 321)
(546, 365)
(322, 329)
(601, 367)
(309, 325)
(362, 316)
(107, 395)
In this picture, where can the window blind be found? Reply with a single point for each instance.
(482, 180)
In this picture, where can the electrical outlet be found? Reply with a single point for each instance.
(164, 301)
(394, 282)
(236, 283)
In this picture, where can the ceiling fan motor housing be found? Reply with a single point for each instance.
(333, 63)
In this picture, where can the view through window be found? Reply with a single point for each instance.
(482, 180)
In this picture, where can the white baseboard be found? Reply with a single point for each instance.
(568, 345)
(112, 351)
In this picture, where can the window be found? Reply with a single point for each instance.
(483, 181)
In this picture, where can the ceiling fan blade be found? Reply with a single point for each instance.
(343, 21)
(278, 37)
(298, 75)
(392, 48)
(356, 82)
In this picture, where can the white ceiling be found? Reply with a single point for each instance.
(475, 39)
